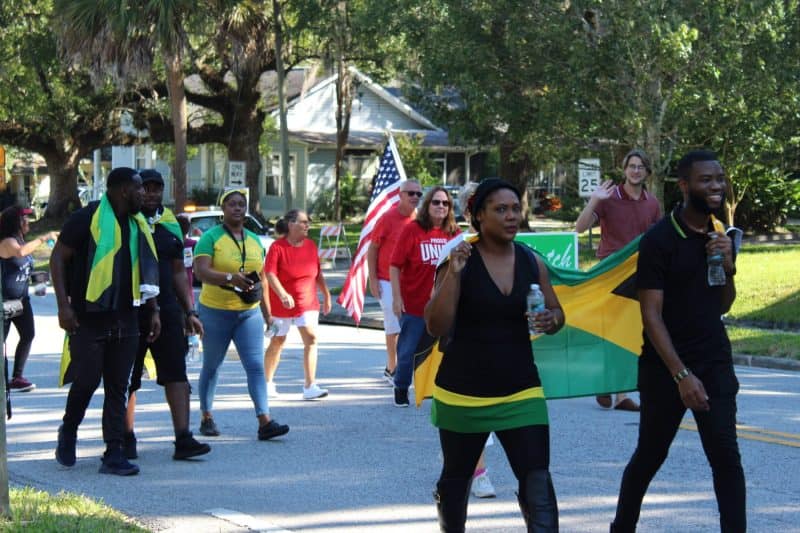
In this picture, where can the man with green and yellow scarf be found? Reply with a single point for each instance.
(104, 267)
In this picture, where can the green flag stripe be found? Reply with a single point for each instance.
(498, 417)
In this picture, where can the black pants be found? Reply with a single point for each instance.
(25, 328)
(660, 416)
(96, 354)
(527, 449)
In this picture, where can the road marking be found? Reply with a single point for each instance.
(758, 434)
(246, 520)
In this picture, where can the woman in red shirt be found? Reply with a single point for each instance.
(294, 275)
(411, 273)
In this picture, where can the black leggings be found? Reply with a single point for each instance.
(25, 328)
(527, 449)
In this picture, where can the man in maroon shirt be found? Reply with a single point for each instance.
(379, 257)
(624, 211)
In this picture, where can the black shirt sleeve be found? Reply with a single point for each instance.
(75, 231)
(651, 263)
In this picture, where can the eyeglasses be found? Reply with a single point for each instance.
(637, 167)
(302, 221)
(418, 194)
(445, 203)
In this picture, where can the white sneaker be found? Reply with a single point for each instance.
(313, 392)
(482, 487)
(272, 390)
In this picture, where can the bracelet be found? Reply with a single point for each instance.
(681, 375)
(192, 312)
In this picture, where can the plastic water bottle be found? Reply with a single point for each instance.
(716, 273)
(51, 243)
(535, 301)
(193, 353)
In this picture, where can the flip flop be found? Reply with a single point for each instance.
(604, 400)
(627, 405)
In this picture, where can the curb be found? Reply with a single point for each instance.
(764, 361)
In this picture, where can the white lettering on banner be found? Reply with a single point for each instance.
(563, 259)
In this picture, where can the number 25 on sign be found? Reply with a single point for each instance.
(588, 176)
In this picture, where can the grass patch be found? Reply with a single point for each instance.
(768, 291)
(35, 510)
(753, 341)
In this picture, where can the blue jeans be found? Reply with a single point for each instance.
(246, 330)
(412, 329)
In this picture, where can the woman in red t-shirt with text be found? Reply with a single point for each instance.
(411, 274)
(294, 275)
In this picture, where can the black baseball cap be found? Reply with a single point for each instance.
(151, 175)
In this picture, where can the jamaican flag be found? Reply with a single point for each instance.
(596, 352)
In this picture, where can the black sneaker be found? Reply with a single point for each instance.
(208, 428)
(401, 397)
(65, 450)
(271, 430)
(129, 445)
(114, 462)
(187, 447)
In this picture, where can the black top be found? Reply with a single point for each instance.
(692, 310)
(169, 248)
(76, 234)
(16, 274)
(489, 353)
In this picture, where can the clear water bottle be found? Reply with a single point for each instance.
(193, 353)
(535, 302)
(716, 273)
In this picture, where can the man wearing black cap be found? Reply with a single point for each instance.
(103, 267)
(177, 317)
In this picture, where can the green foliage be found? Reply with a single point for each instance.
(754, 341)
(769, 200)
(206, 196)
(353, 197)
(416, 161)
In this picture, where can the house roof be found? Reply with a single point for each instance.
(375, 140)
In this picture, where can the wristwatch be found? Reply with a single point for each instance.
(681, 375)
(228, 277)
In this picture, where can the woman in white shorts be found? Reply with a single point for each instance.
(294, 275)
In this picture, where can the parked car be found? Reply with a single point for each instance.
(202, 221)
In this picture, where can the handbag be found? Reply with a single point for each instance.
(11, 309)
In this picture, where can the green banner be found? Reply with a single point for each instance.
(559, 248)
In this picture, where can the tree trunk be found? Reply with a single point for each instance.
(344, 105)
(63, 168)
(286, 176)
(244, 147)
(516, 170)
(177, 97)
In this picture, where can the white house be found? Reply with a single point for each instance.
(312, 146)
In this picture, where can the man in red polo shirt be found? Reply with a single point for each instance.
(625, 211)
(379, 256)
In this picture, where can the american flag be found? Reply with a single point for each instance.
(385, 193)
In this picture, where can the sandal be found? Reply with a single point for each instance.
(627, 405)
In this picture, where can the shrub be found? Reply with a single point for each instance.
(352, 195)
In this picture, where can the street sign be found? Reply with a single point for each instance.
(588, 176)
(237, 174)
(559, 247)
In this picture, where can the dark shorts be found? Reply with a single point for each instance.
(168, 350)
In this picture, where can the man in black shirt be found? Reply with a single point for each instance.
(97, 293)
(686, 357)
(177, 316)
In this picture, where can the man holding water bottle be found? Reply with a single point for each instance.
(177, 318)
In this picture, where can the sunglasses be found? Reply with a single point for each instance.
(444, 203)
(418, 194)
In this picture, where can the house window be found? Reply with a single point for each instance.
(140, 153)
(361, 166)
(273, 184)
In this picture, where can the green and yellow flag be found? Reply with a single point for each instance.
(596, 352)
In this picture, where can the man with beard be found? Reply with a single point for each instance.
(177, 317)
(103, 267)
(686, 357)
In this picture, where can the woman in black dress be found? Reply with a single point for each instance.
(487, 380)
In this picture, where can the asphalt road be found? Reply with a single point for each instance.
(353, 462)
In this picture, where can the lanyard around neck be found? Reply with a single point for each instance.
(243, 249)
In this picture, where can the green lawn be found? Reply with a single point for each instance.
(34, 510)
(768, 286)
(773, 343)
